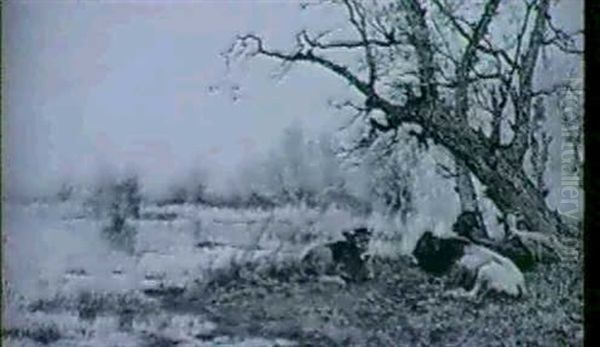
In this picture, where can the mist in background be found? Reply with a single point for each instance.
(91, 87)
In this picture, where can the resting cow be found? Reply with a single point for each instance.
(347, 258)
(475, 269)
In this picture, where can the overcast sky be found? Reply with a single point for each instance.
(118, 83)
(115, 83)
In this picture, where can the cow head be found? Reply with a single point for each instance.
(357, 261)
(360, 237)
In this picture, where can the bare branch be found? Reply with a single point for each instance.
(445, 42)
(358, 19)
(499, 99)
(308, 56)
(349, 44)
(488, 48)
(555, 88)
(420, 39)
(521, 35)
(380, 127)
(348, 104)
(523, 100)
(562, 40)
(396, 113)
(389, 33)
(468, 59)
(359, 112)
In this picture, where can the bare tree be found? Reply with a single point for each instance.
(415, 74)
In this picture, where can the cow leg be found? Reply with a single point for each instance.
(335, 280)
(477, 288)
(461, 293)
(455, 293)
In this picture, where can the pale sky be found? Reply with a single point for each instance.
(126, 84)
(123, 83)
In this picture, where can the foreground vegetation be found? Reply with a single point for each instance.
(401, 306)
(206, 276)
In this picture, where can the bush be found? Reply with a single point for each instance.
(119, 201)
(122, 195)
(120, 234)
(44, 334)
(65, 192)
(129, 189)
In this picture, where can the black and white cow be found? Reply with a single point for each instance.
(475, 269)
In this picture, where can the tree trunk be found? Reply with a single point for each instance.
(499, 171)
(465, 188)
(468, 197)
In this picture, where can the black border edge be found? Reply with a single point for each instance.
(592, 188)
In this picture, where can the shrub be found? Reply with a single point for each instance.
(44, 334)
(65, 192)
(117, 200)
(122, 195)
(120, 234)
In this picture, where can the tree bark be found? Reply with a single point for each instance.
(465, 188)
(502, 175)
(467, 195)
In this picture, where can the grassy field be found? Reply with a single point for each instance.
(206, 277)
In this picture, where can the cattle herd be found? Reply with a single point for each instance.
(473, 265)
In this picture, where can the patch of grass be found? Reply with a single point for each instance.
(241, 270)
(400, 306)
(45, 334)
(90, 304)
(160, 216)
